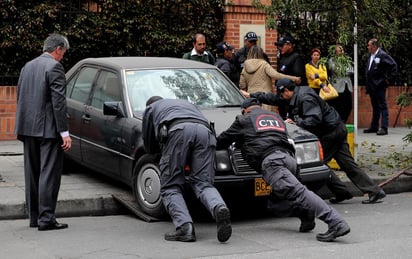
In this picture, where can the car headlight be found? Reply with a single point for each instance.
(308, 152)
(223, 161)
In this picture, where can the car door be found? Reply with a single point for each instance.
(101, 134)
(78, 93)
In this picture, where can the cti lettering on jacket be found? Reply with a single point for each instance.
(269, 122)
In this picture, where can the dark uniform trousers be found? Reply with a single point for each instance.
(279, 170)
(190, 144)
(43, 162)
(335, 145)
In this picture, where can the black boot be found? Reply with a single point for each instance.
(307, 222)
(224, 229)
(184, 233)
(338, 230)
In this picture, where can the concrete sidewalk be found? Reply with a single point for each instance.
(84, 193)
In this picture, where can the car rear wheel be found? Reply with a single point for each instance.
(146, 186)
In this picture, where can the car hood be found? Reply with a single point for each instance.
(224, 117)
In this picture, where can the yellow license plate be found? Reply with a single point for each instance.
(261, 187)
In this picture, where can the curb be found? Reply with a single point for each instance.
(100, 206)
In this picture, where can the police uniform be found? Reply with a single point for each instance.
(310, 112)
(240, 56)
(262, 137)
(185, 139)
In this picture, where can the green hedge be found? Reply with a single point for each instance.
(105, 28)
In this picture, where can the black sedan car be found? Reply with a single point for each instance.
(106, 99)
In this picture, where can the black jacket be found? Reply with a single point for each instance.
(229, 69)
(257, 134)
(292, 64)
(307, 109)
(163, 113)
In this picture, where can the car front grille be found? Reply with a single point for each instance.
(240, 166)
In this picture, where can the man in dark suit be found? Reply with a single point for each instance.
(41, 124)
(380, 69)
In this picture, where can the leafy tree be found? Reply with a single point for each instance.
(324, 23)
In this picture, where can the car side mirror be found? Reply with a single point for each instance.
(113, 109)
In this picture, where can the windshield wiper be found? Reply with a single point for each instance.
(227, 105)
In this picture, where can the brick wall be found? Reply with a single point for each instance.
(7, 112)
(365, 108)
(241, 13)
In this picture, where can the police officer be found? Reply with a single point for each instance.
(263, 139)
(224, 61)
(240, 56)
(291, 63)
(186, 139)
(307, 110)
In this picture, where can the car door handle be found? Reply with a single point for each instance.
(86, 118)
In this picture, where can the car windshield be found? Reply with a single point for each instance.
(202, 87)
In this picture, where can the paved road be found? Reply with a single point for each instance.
(378, 231)
(85, 193)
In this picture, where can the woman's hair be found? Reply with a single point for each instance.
(255, 52)
(315, 50)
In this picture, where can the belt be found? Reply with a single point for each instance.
(187, 120)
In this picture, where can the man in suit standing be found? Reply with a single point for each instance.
(41, 125)
(380, 69)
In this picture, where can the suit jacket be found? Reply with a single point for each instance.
(383, 68)
(41, 99)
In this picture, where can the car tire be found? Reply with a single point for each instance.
(146, 186)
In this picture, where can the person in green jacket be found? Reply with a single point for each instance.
(199, 52)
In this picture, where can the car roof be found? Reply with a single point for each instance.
(146, 62)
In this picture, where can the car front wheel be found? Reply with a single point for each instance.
(146, 186)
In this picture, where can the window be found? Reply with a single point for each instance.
(83, 84)
(107, 89)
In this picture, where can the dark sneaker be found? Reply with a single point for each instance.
(339, 230)
(224, 229)
(184, 233)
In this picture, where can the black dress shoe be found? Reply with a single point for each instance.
(53, 226)
(184, 233)
(339, 230)
(224, 229)
(382, 131)
(374, 198)
(340, 198)
(370, 130)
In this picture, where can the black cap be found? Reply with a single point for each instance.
(223, 46)
(282, 83)
(251, 36)
(249, 102)
(284, 40)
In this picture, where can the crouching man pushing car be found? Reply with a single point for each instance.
(263, 139)
(186, 139)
